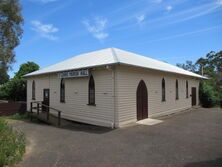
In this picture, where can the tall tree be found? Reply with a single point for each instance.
(26, 68)
(188, 65)
(4, 77)
(15, 89)
(11, 22)
(211, 66)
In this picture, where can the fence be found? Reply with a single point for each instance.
(12, 108)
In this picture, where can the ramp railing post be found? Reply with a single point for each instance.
(31, 110)
(38, 108)
(59, 118)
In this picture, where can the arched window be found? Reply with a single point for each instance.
(91, 96)
(62, 91)
(163, 90)
(33, 90)
(177, 91)
(187, 89)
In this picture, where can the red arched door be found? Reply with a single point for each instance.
(142, 101)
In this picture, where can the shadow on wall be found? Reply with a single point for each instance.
(211, 163)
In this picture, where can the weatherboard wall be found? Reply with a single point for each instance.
(76, 96)
(127, 80)
(120, 98)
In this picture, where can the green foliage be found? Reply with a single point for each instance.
(4, 77)
(10, 30)
(209, 96)
(211, 66)
(12, 144)
(18, 116)
(188, 66)
(26, 68)
(15, 89)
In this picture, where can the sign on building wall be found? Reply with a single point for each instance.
(74, 73)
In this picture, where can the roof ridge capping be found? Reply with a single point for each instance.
(154, 64)
(115, 57)
(109, 56)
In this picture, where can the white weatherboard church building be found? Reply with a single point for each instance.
(113, 87)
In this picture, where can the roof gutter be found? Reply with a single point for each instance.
(44, 73)
(115, 63)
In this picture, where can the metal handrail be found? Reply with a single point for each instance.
(39, 103)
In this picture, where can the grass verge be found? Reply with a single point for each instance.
(18, 116)
(12, 144)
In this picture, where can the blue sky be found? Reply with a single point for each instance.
(169, 30)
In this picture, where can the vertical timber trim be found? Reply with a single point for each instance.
(114, 96)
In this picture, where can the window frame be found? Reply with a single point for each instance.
(62, 90)
(187, 89)
(33, 90)
(163, 86)
(91, 91)
(177, 90)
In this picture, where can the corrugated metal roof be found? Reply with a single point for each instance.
(112, 56)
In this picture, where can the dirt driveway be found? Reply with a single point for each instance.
(190, 139)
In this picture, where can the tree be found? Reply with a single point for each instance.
(26, 68)
(188, 65)
(15, 89)
(11, 22)
(209, 96)
(4, 77)
(211, 66)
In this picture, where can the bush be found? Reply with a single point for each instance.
(14, 90)
(209, 97)
(12, 144)
(19, 116)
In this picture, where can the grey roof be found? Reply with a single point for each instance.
(112, 56)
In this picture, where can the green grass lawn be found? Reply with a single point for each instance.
(18, 116)
(12, 144)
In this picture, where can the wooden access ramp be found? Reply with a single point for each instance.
(42, 113)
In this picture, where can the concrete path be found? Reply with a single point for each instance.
(190, 139)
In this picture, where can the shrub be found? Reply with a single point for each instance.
(12, 144)
(19, 116)
(209, 97)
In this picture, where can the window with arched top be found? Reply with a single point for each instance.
(62, 91)
(33, 90)
(91, 91)
(163, 90)
(187, 89)
(177, 90)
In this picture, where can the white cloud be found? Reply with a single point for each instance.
(188, 33)
(45, 30)
(101, 35)
(157, 1)
(219, 2)
(47, 1)
(169, 8)
(141, 18)
(44, 1)
(97, 27)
